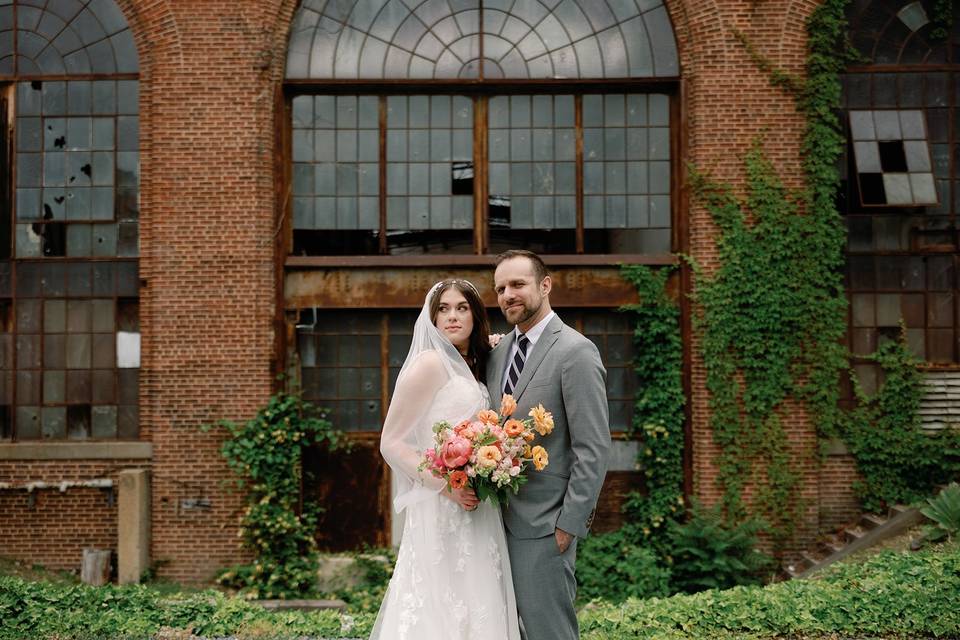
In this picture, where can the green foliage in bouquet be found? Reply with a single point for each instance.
(709, 553)
(899, 462)
(266, 452)
(944, 510)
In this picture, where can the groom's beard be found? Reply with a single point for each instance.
(525, 313)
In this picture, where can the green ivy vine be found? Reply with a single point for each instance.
(773, 314)
(658, 407)
(942, 20)
(898, 461)
(265, 453)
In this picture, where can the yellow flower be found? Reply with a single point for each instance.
(542, 420)
(508, 405)
(488, 456)
(526, 451)
(540, 458)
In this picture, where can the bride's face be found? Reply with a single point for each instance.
(454, 318)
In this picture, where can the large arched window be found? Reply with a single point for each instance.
(426, 136)
(70, 347)
(453, 156)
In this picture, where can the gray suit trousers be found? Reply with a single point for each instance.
(545, 586)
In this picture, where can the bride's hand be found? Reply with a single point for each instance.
(495, 339)
(465, 497)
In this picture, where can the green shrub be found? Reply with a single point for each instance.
(892, 595)
(266, 452)
(614, 567)
(900, 463)
(944, 510)
(80, 612)
(708, 553)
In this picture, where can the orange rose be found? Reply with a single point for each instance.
(458, 480)
(489, 417)
(542, 420)
(540, 458)
(528, 436)
(513, 428)
(508, 405)
(460, 427)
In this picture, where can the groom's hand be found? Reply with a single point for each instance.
(563, 539)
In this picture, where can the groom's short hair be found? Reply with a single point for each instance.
(539, 268)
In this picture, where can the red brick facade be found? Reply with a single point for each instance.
(211, 72)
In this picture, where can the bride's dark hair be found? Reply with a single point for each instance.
(478, 349)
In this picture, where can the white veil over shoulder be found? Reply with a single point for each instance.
(452, 579)
(432, 363)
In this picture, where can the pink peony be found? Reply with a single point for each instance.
(456, 451)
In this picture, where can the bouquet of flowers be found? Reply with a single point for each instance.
(490, 451)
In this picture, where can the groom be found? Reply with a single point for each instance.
(543, 361)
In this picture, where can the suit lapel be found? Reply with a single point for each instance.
(498, 361)
(547, 338)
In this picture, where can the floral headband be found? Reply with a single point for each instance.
(442, 283)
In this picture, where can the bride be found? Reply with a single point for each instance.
(452, 577)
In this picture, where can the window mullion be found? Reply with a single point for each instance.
(578, 127)
(382, 169)
(480, 186)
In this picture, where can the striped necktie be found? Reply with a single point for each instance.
(513, 374)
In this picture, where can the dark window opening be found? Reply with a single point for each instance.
(892, 157)
(871, 189)
(78, 422)
(6, 425)
(498, 212)
(53, 235)
(462, 180)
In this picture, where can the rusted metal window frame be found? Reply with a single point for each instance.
(8, 85)
(480, 92)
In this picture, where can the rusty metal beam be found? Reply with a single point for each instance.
(594, 286)
(471, 260)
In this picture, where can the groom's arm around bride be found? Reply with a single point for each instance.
(544, 361)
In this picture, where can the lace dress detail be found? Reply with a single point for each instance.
(452, 578)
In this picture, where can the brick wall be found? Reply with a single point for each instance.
(52, 527)
(208, 303)
(211, 71)
(838, 504)
(728, 103)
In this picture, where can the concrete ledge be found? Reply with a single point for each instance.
(300, 605)
(76, 451)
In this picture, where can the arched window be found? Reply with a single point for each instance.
(69, 212)
(426, 136)
(449, 155)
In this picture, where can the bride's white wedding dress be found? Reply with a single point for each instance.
(452, 579)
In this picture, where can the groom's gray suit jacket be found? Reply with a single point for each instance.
(565, 374)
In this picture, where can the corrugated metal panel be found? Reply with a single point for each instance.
(940, 405)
